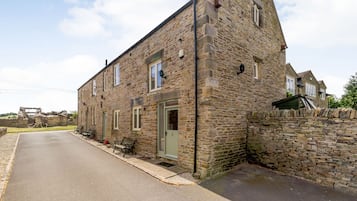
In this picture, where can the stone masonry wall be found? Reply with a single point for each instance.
(18, 123)
(3, 131)
(227, 38)
(163, 43)
(319, 145)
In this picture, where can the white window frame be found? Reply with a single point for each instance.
(116, 74)
(323, 94)
(256, 70)
(116, 119)
(310, 90)
(94, 88)
(257, 14)
(137, 115)
(157, 77)
(290, 85)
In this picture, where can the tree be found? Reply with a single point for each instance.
(333, 102)
(349, 99)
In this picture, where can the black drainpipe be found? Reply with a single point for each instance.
(196, 90)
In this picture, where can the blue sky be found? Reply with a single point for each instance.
(49, 48)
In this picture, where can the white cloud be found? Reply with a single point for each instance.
(84, 22)
(51, 85)
(335, 84)
(118, 19)
(319, 23)
(71, 1)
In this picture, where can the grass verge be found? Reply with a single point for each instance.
(24, 130)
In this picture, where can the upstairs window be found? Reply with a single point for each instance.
(94, 88)
(155, 80)
(290, 85)
(322, 94)
(136, 118)
(256, 70)
(116, 74)
(310, 90)
(257, 14)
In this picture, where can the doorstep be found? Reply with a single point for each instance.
(174, 176)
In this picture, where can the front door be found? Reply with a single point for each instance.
(171, 132)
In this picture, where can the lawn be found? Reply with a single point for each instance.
(23, 130)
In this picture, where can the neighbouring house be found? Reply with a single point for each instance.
(305, 84)
(312, 88)
(291, 80)
(187, 107)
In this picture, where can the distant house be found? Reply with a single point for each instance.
(306, 84)
(313, 89)
(148, 92)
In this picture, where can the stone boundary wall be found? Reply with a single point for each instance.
(18, 123)
(3, 131)
(318, 145)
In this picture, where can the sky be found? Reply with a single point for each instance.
(48, 49)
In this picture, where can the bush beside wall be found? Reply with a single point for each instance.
(319, 145)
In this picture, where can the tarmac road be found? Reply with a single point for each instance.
(56, 166)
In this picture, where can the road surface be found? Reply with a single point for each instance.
(56, 166)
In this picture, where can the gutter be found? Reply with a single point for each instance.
(196, 86)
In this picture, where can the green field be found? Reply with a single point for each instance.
(23, 130)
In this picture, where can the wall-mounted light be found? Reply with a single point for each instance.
(241, 69)
(162, 74)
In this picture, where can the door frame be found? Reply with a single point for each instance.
(162, 114)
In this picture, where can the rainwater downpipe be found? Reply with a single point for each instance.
(196, 86)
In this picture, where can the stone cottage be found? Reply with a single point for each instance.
(306, 84)
(312, 88)
(183, 91)
(291, 80)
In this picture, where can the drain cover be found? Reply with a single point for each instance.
(165, 164)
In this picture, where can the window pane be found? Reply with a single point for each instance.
(152, 78)
(94, 87)
(135, 119)
(172, 119)
(159, 79)
(255, 70)
(139, 118)
(117, 75)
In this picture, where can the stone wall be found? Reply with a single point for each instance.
(228, 38)
(56, 121)
(3, 131)
(18, 123)
(163, 43)
(319, 145)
